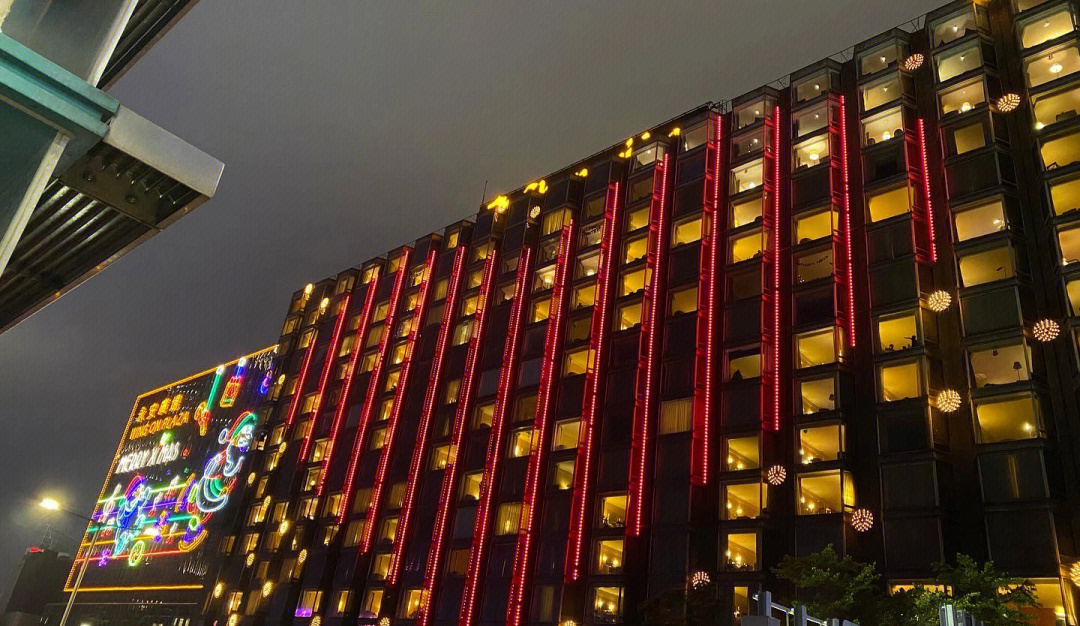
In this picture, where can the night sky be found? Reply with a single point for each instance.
(348, 128)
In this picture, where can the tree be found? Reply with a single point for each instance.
(836, 587)
(680, 606)
(986, 593)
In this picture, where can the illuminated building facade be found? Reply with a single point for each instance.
(836, 310)
(150, 551)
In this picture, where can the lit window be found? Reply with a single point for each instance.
(980, 220)
(380, 311)
(885, 204)
(628, 316)
(462, 332)
(810, 266)
(483, 415)
(520, 443)
(342, 601)
(812, 152)
(694, 137)
(440, 457)
(816, 347)
(825, 492)
(481, 251)
(508, 518)
(310, 602)
(470, 485)
(319, 450)
(805, 122)
(541, 309)
(392, 380)
(987, 266)
(957, 61)
(374, 336)
(744, 247)
(880, 92)
(875, 60)
(637, 219)
(813, 226)
(744, 363)
(613, 511)
(1000, 365)
(410, 604)
(897, 332)
(962, 139)
(818, 394)
(1065, 196)
(469, 304)
(362, 500)
(607, 605)
(1056, 106)
(397, 354)
(676, 416)
(1012, 418)
(609, 556)
(686, 231)
(388, 529)
(373, 601)
(566, 435)
(899, 381)
(952, 27)
(1052, 65)
(635, 248)
(1061, 151)
(367, 362)
(458, 562)
(963, 97)
(747, 144)
(563, 475)
(378, 438)
(883, 127)
(380, 565)
(746, 211)
(743, 501)
(746, 177)
(632, 281)
(743, 453)
(576, 361)
(525, 408)
(584, 296)
(453, 387)
(1072, 290)
(587, 265)
(683, 301)
(544, 278)
(1050, 25)
(740, 551)
(821, 443)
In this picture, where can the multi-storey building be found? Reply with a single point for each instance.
(835, 310)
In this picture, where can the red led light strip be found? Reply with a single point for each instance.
(328, 364)
(645, 382)
(423, 434)
(705, 367)
(770, 276)
(373, 384)
(343, 401)
(493, 458)
(926, 191)
(298, 391)
(553, 340)
(595, 376)
(383, 468)
(461, 418)
(847, 222)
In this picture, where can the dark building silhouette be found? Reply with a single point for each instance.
(40, 580)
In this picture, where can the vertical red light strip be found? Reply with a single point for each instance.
(770, 322)
(343, 400)
(493, 456)
(423, 433)
(595, 376)
(926, 191)
(647, 362)
(378, 488)
(705, 367)
(526, 543)
(845, 164)
(461, 418)
(328, 364)
(298, 391)
(373, 384)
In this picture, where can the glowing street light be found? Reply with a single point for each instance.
(50, 504)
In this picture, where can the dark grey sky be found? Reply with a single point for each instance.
(347, 128)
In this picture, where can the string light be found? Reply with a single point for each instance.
(862, 520)
(300, 558)
(250, 560)
(948, 401)
(1008, 102)
(939, 301)
(267, 589)
(776, 475)
(699, 579)
(914, 62)
(219, 589)
(1074, 573)
(1045, 330)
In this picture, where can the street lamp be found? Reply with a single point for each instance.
(52, 505)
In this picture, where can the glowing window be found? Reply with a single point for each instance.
(591, 234)
(450, 396)
(374, 335)
(635, 248)
(986, 266)
(816, 347)
(967, 138)
(378, 438)
(745, 363)
(963, 97)
(1009, 419)
(1057, 106)
(609, 556)
(743, 500)
(806, 122)
(520, 443)
(380, 311)
(884, 126)
(694, 137)
(392, 380)
(394, 263)
(554, 221)
(544, 278)
(380, 565)
(742, 453)
(810, 266)
(1061, 151)
(613, 511)
(563, 475)
(952, 27)
(583, 296)
(1072, 290)
(310, 602)
(1065, 196)
(686, 231)
(388, 529)
(587, 265)
(648, 155)
(566, 435)
(373, 601)
(825, 492)
(632, 282)
(816, 395)
(541, 309)
(811, 152)
(483, 415)
(880, 92)
(318, 451)
(746, 211)
(899, 381)
(745, 247)
(410, 603)
(576, 362)
(676, 416)
(470, 485)
(879, 58)
(751, 113)
(820, 443)
(638, 218)
(741, 551)
(1053, 65)
(607, 605)
(1050, 25)
(628, 316)
(980, 220)
(1001, 364)
(813, 226)
(897, 332)
(683, 301)
(508, 518)
(747, 144)
(957, 61)
(746, 177)
(440, 457)
(342, 601)
(885, 204)
(362, 500)
(397, 353)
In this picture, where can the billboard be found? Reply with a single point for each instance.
(181, 460)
